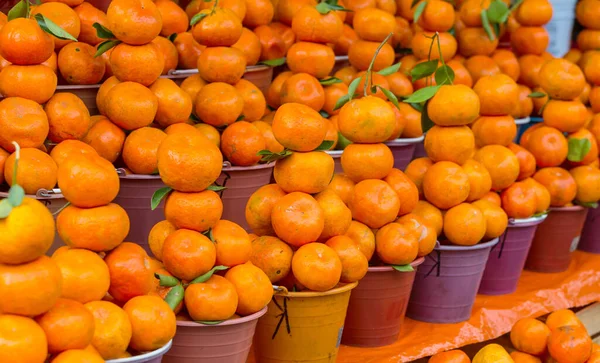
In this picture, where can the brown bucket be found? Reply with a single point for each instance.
(378, 306)
(555, 239)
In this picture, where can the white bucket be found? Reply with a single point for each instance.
(560, 28)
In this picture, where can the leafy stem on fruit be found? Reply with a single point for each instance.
(203, 278)
(578, 149)
(268, 156)
(16, 193)
(325, 6)
(158, 196)
(369, 78)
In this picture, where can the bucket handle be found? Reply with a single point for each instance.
(501, 244)
(46, 193)
(283, 315)
(437, 266)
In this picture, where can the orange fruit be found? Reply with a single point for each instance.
(561, 79)
(422, 43)
(189, 162)
(562, 317)
(23, 42)
(253, 288)
(174, 104)
(249, 44)
(157, 236)
(213, 300)
(529, 40)
(396, 244)
(342, 186)
(374, 203)
(530, 336)
(188, 49)
(63, 16)
(134, 22)
(379, 127)
(137, 63)
(519, 357)
(343, 43)
(587, 179)
(498, 95)
(363, 237)
(406, 190)
(416, 170)
(37, 170)
(332, 94)
(141, 105)
(508, 62)
(464, 224)
(273, 256)
(188, 254)
(315, 59)
(292, 173)
(354, 262)
(68, 117)
(474, 41)
(130, 273)
(180, 209)
(140, 150)
(113, 329)
(542, 195)
(361, 52)
(519, 200)
(530, 67)
(560, 184)
(592, 154)
(297, 219)
(23, 121)
(304, 89)
(108, 84)
(524, 107)
(437, 16)
(317, 266)
(273, 94)
(219, 104)
(490, 130)
(232, 243)
(495, 218)
(445, 184)
(534, 13)
(292, 119)
(152, 322)
(220, 27)
(22, 340)
(105, 138)
(588, 39)
(367, 161)
(548, 146)
(78, 65)
(566, 116)
(254, 100)
(259, 207)
(36, 83)
(425, 232)
(336, 214)
(97, 229)
(526, 161)
(174, 18)
(68, 325)
(311, 26)
(78, 355)
(88, 181)
(481, 66)
(237, 6)
(271, 41)
(258, 13)
(453, 105)
(455, 143)
(372, 24)
(192, 85)
(222, 64)
(241, 142)
(570, 344)
(450, 356)
(501, 163)
(480, 181)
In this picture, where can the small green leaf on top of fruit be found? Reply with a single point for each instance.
(20, 10)
(103, 32)
(175, 296)
(208, 275)
(215, 188)
(444, 75)
(593, 205)
(197, 18)
(498, 12)
(540, 214)
(329, 5)
(273, 62)
(403, 268)
(413, 3)
(240, 118)
(51, 28)
(353, 86)
(16, 195)
(426, 122)
(390, 70)
(486, 25)
(390, 96)
(537, 95)
(268, 156)
(418, 11)
(329, 81)
(166, 280)
(105, 46)
(422, 95)
(578, 149)
(341, 102)
(325, 145)
(209, 322)
(424, 69)
(158, 196)
(5, 208)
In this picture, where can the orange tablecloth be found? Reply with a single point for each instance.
(493, 316)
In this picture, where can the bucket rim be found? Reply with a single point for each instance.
(124, 174)
(522, 121)
(335, 153)
(237, 321)
(479, 246)
(337, 290)
(405, 141)
(153, 354)
(415, 263)
(76, 87)
(341, 58)
(535, 119)
(41, 194)
(182, 73)
(532, 220)
(575, 208)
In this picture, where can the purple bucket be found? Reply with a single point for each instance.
(419, 149)
(447, 282)
(135, 194)
(590, 236)
(507, 258)
(241, 182)
(337, 160)
(151, 357)
(404, 150)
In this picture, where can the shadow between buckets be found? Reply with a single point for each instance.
(507, 259)
(590, 236)
(447, 282)
(378, 305)
(555, 239)
(302, 326)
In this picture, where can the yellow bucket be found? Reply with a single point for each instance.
(302, 326)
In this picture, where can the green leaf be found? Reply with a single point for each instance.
(323, 8)
(103, 32)
(403, 268)
(329, 81)
(497, 11)
(390, 70)
(352, 88)
(105, 46)
(16, 195)
(273, 62)
(423, 70)
(175, 296)
(240, 118)
(422, 95)
(208, 234)
(540, 214)
(390, 96)
(413, 3)
(197, 18)
(417, 106)
(537, 95)
(593, 205)
(172, 37)
(444, 75)
(324, 114)
(426, 122)
(209, 322)
(325, 145)
(578, 149)
(342, 142)
(166, 281)
(5, 208)
(341, 102)
(51, 28)
(158, 196)
(20, 10)
(486, 25)
(418, 11)
(215, 188)
(208, 275)
(268, 156)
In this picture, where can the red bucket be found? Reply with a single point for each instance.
(378, 306)
(555, 239)
(590, 236)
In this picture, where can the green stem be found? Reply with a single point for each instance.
(433, 38)
(212, 11)
(370, 69)
(439, 46)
